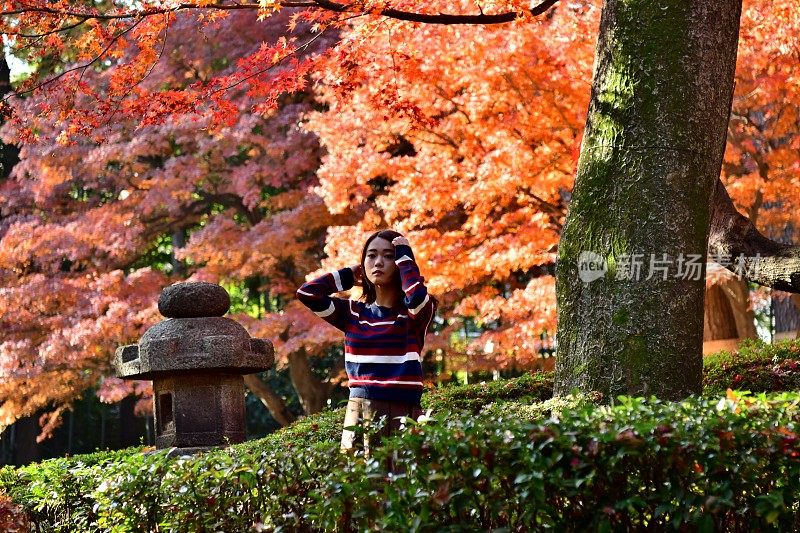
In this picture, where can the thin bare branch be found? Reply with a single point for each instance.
(427, 18)
(759, 259)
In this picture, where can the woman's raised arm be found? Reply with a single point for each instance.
(316, 295)
(421, 307)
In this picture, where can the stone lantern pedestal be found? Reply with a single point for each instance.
(196, 359)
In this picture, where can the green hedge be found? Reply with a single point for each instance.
(756, 366)
(706, 463)
(327, 426)
(728, 464)
(499, 455)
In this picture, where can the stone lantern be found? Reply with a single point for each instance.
(196, 359)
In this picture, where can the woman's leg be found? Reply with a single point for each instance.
(368, 416)
(352, 417)
(395, 413)
(363, 412)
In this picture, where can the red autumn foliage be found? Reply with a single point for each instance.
(187, 120)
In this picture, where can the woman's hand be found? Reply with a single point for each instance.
(358, 275)
(397, 241)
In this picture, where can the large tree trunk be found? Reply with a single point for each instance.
(650, 159)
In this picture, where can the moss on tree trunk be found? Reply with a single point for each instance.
(650, 158)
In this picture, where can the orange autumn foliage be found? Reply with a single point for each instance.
(83, 225)
(465, 139)
(762, 167)
(462, 137)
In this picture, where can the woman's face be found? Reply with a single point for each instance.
(379, 265)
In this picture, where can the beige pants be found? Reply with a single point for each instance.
(361, 411)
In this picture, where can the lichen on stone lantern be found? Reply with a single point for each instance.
(196, 359)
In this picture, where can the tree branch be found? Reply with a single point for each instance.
(49, 32)
(82, 67)
(95, 15)
(274, 64)
(118, 102)
(233, 201)
(763, 260)
(274, 403)
(441, 18)
(313, 392)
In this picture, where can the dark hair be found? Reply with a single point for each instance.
(367, 288)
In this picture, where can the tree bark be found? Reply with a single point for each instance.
(274, 403)
(650, 158)
(727, 312)
(751, 254)
(313, 392)
(9, 153)
(26, 430)
(796, 302)
(178, 242)
(128, 432)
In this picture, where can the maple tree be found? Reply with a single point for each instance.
(113, 32)
(406, 135)
(120, 109)
(380, 163)
(469, 151)
(760, 170)
(88, 228)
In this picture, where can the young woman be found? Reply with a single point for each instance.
(384, 331)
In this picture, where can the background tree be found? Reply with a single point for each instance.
(470, 151)
(126, 47)
(89, 230)
(760, 170)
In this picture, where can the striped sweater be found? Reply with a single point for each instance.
(382, 346)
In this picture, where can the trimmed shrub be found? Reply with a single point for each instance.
(756, 366)
(63, 494)
(327, 425)
(529, 388)
(708, 463)
(504, 455)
